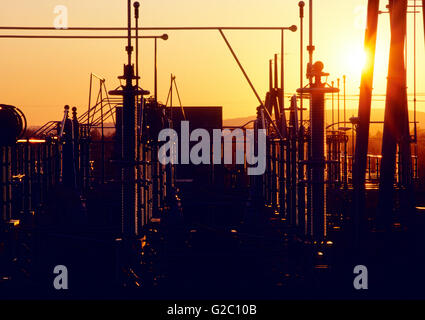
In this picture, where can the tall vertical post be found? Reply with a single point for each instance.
(310, 47)
(276, 77)
(395, 125)
(270, 76)
(362, 133)
(139, 117)
(407, 195)
(292, 144)
(128, 141)
(345, 135)
(171, 97)
(136, 18)
(282, 72)
(414, 76)
(317, 164)
(338, 158)
(333, 104)
(88, 108)
(301, 5)
(156, 70)
(338, 81)
(301, 189)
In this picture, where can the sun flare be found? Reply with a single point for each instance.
(356, 60)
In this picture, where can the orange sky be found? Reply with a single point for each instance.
(40, 76)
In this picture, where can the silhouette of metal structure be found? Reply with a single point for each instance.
(396, 123)
(94, 181)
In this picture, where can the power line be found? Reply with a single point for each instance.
(291, 28)
(78, 37)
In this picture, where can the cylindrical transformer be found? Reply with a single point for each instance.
(316, 160)
(317, 163)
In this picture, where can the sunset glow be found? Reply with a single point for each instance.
(356, 60)
(205, 70)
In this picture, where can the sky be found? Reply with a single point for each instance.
(40, 76)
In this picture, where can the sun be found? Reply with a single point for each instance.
(355, 61)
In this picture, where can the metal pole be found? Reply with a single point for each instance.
(138, 125)
(136, 18)
(292, 28)
(128, 142)
(156, 71)
(103, 135)
(333, 103)
(301, 4)
(338, 98)
(301, 186)
(345, 134)
(129, 47)
(88, 108)
(396, 101)
(171, 96)
(270, 76)
(241, 67)
(414, 76)
(345, 99)
(338, 133)
(282, 72)
(362, 133)
(276, 77)
(278, 103)
(14, 36)
(310, 47)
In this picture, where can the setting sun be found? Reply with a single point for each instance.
(356, 59)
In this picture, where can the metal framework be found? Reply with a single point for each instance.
(308, 163)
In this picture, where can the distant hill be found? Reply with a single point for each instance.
(237, 122)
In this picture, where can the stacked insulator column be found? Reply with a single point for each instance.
(316, 160)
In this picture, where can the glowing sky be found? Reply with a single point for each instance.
(40, 76)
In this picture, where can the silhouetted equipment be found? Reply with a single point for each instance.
(283, 187)
(129, 136)
(69, 134)
(93, 182)
(316, 162)
(396, 169)
(173, 86)
(12, 124)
